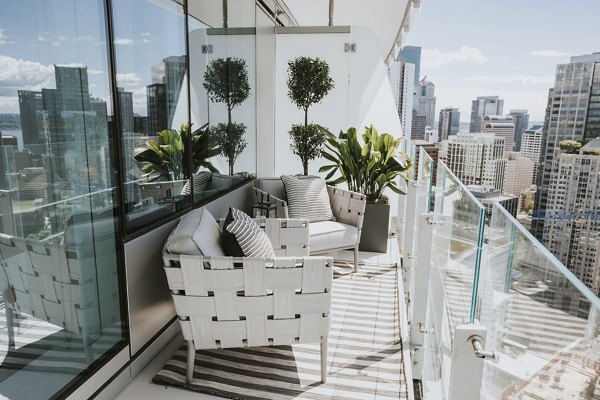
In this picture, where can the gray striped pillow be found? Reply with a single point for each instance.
(307, 198)
(251, 239)
(200, 182)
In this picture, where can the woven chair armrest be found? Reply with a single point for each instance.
(289, 237)
(348, 207)
(258, 195)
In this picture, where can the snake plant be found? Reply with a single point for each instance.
(368, 168)
(168, 157)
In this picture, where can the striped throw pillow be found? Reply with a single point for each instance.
(240, 232)
(200, 182)
(307, 198)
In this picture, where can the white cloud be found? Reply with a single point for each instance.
(123, 41)
(146, 34)
(18, 74)
(144, 40)
(550, 53)
(128, 79)
(435, 58)
(514, 79)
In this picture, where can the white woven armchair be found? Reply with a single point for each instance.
(325, 236)
(225, 302)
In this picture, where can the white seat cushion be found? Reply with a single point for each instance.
(326, 235)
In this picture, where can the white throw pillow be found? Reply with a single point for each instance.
(307, 198)
(197, 233)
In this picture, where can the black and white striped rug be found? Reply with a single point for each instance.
(365, 352)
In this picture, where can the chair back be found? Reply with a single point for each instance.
(225, 302)
(274, 186)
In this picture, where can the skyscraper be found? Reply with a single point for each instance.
(170, 73)
(156, 104)
(426, 102)
(501, 126)
(412, 55)
(531, 145)
(70, 125)
(572, 113)
(572, 226)
(31, 104)
(448, 123)
(482, 106)
(402, 80)
(477, 159)
(126, 110)
(521, 121)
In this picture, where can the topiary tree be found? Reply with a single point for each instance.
(308, 83)
(226, 81)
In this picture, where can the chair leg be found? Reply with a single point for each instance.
(10, 326)
(356, 258)
(323, 359)
(191, 357)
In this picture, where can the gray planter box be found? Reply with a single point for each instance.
(375, 228)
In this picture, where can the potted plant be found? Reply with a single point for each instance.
(308, 83)
(226, 81)
(368, 168)
(167, 159)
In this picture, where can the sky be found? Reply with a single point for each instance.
(34, 35)
(508, 48)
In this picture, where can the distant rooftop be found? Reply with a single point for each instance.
(593, 146)
(586, 57)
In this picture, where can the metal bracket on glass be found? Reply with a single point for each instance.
(432, 221)
(421, 328)
(350, 47)
(207, 49)
(476, 342)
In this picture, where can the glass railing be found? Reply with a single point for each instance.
(541, 323)
(458, 219)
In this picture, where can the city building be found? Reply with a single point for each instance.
(572, 225)
(163, 93)
(501, 126)
(448, 123)
(412, 55)
(31, 106)
(477, 159)
(418, 126)
(426, 102)
(402, 76)
(531, 145)
(488, 196)
(518, 174)
(126, 110)
(571, 115)
(482, 106)
(432, 150)
(521, 121)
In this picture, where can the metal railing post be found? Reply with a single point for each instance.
(408, 239)
(468, 355)
(420, 295)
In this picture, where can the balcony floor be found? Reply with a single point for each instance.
(365, 349)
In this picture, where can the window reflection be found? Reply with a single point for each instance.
(151, 73)
(59, 302)
(222, 84)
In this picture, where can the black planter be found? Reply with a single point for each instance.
(374, 236)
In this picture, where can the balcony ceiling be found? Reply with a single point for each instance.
(384, 17)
